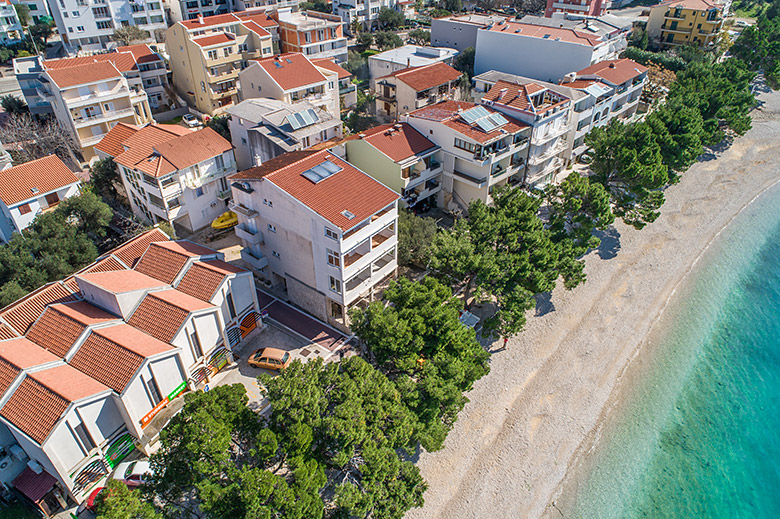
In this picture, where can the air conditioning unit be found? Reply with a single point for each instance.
(213, 204)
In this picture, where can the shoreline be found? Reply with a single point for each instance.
(541, 410)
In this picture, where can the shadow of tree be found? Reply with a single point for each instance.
(544, 304)
(610, 243)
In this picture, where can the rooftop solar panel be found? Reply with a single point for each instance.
(321, 171)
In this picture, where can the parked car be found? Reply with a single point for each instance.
(91, 501)
(133, 473)
(190, 120)
(741, 23)
(270, 358)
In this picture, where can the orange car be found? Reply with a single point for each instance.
(270, 358)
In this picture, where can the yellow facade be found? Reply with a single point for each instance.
(693, 22)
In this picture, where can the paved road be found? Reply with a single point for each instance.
(9, 85)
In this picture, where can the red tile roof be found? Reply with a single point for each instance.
(347, 190)
(8, 374)
(398, 144)
(121, 281)
(123, 61)
(83, 74)
(261, 18)
(44, 175)
(162, 314)
(614, 71)
(139, 151)
(427, 76)
(291, 71)
(194, 147)
(200, 23)
(518, 96)
(257, 29)
(447, 112)
(203, 278)
(131, 251)
(113, 355)
(165, 260)
(34, 486)
(21, 314)
(696, 5)
(213, 39)
(23, 353)
(141, 52)
(62, 324)
(6, 332)
(547, 33)
(328, 63)
(111, 144)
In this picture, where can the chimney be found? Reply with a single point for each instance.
(200, 19)
(408, 62)
(502, 93)
(611, 65)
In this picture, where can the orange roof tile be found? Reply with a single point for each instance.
(123, 61)
(42, 175)
(203, 278)
(111, 144)
(328, 63)
(8, 374)
(109, 264)
(614, 71)
(162, 314)
(23, 353)
(518, 96)
(131, 251)
(141, 52)
(398, 144)
(62, 324)
(6, 332)
(546, 33)
(348, 190)
(207, 21)
(447, 112)
(291, 71)
(261, 18)
(164, 260)
(256, 28)
(83, 74)
(120, 281)
(213, 39)
(139, 151)
(194, 147)
(21, 314)
(427, 76)
(113, 355)
(696, 5)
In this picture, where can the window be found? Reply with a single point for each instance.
(335, 285)
(80, 28)
(243, 47)
(198, 192)
(271, 227)
(212, 54)
(75, 14)
(268, 202)
(468, 146)
(84, 438)
(220, 162)
(231, 306)
(275, 254)
(70, 29)
(154, 391)
(227, 51)
(330, 233)
(334, 258)
(307, 37)
(196, 347)
(52, 199)
(157, 19)
(104, 25)
(243, 141)
(24, 209)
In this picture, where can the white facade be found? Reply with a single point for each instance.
(460, 32)
(407, 56)
(21, 214)
(366, 12)
(10, 28)
(180, 10)
(38, 9)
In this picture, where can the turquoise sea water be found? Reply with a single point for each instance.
(698, 434)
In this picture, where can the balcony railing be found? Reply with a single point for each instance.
(242, 210)
(479, 182)
(257, 263)
(81, 121)
(194, 183)
(251, 237)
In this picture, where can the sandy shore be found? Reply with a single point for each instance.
(546, 394)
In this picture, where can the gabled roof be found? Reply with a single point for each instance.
(33, 179)
(518, 96)
(349, 190)
(399, 142)
(261, 18)
(22, 313)
(111, 144)
(6, 332)
(165, 260)
(60, 325)
(614, 71)
(107, 264)
(448, 113)
(203, 278)
(123, 61)
(22, 353)
(213, 39)
(84, 74)
(121, 281)
(696, 5)
(546, 33)
(139, 150)
(427, 76)
(131, 251)
(329, 64)
(161, 314)
(141, 52)
(291, 71)
(208, 21)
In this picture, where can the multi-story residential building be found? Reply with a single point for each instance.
(27, 71)
(89, 96)
(401, 158)
(321, 228)
(548, 110)
(171, 173)
(153, 74)
(347, 89)
(39, 9)
(206, 55)
(481, 148)
(686, 22)
(88, 26)
(613, 89)
(407, 56)
(313, 34)
(181, 10)
(91, 371)
(580, 7)
(10, 28)
(365, 12)
(291, 78)
(460, 32)
(31, 188)
(408, 89)
(550, 47)
(263, 128)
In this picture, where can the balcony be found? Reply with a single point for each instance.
(476, 182)
(551, 134)
(224, 92)
(91, 141)
(81, 121)
(677, 30)
(242, 210)
(547, 154)
(257, 263)
(569, 7)
(118, 91)
(249, 236)
(224, 195)
(347, 89)
(226, 74)
(194, 183)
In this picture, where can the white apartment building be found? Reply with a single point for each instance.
(181, 10)
(38, 9)
(153, 74)
(613, 89)
(10, 28)
(460, 32)
(291, 78)
(347, 89)
(88, 25)
(408, 89)
(89, 96)
(549, 48)
(482, 149)
(320, 228)
(408, 56)
(171, 173)
(31, 188)
(93, 365)
(263, 128)
(366, 12)
(315, 35)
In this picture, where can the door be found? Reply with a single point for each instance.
(673, 27)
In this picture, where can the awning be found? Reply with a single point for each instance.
(34, 486)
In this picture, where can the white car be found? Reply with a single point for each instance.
(190, 120)
(741, 23)
(133, 473)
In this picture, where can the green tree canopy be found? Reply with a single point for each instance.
(415, 235)
(221, 125)
(23, 13)
(420, 36)
(129, 34)
(119, 502)
(104, 177)
(90, 214)
(365, 39)
(389, 19)
(12, 104)
(464, 61)
(387, 40)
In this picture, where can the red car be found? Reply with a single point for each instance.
(92, 499)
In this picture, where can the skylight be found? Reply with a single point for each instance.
(321, 171)
(303, 119)
(349, 215)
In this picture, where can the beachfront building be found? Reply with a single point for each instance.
(207, 54)
(550, 47)
(263, 128)
(365, 13)
(91, 371)
(408, 89)
(347, 89)
(613, 89)
(576, 7)
(171, 173)
(10, 28)
(315, 35)
(481, 147)
(88, 26)
(402, 159)
(686, 22)
(291, 78)
(88, 96)
(31, 188)
(408, 56)
(460, 32)
(319, 228)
